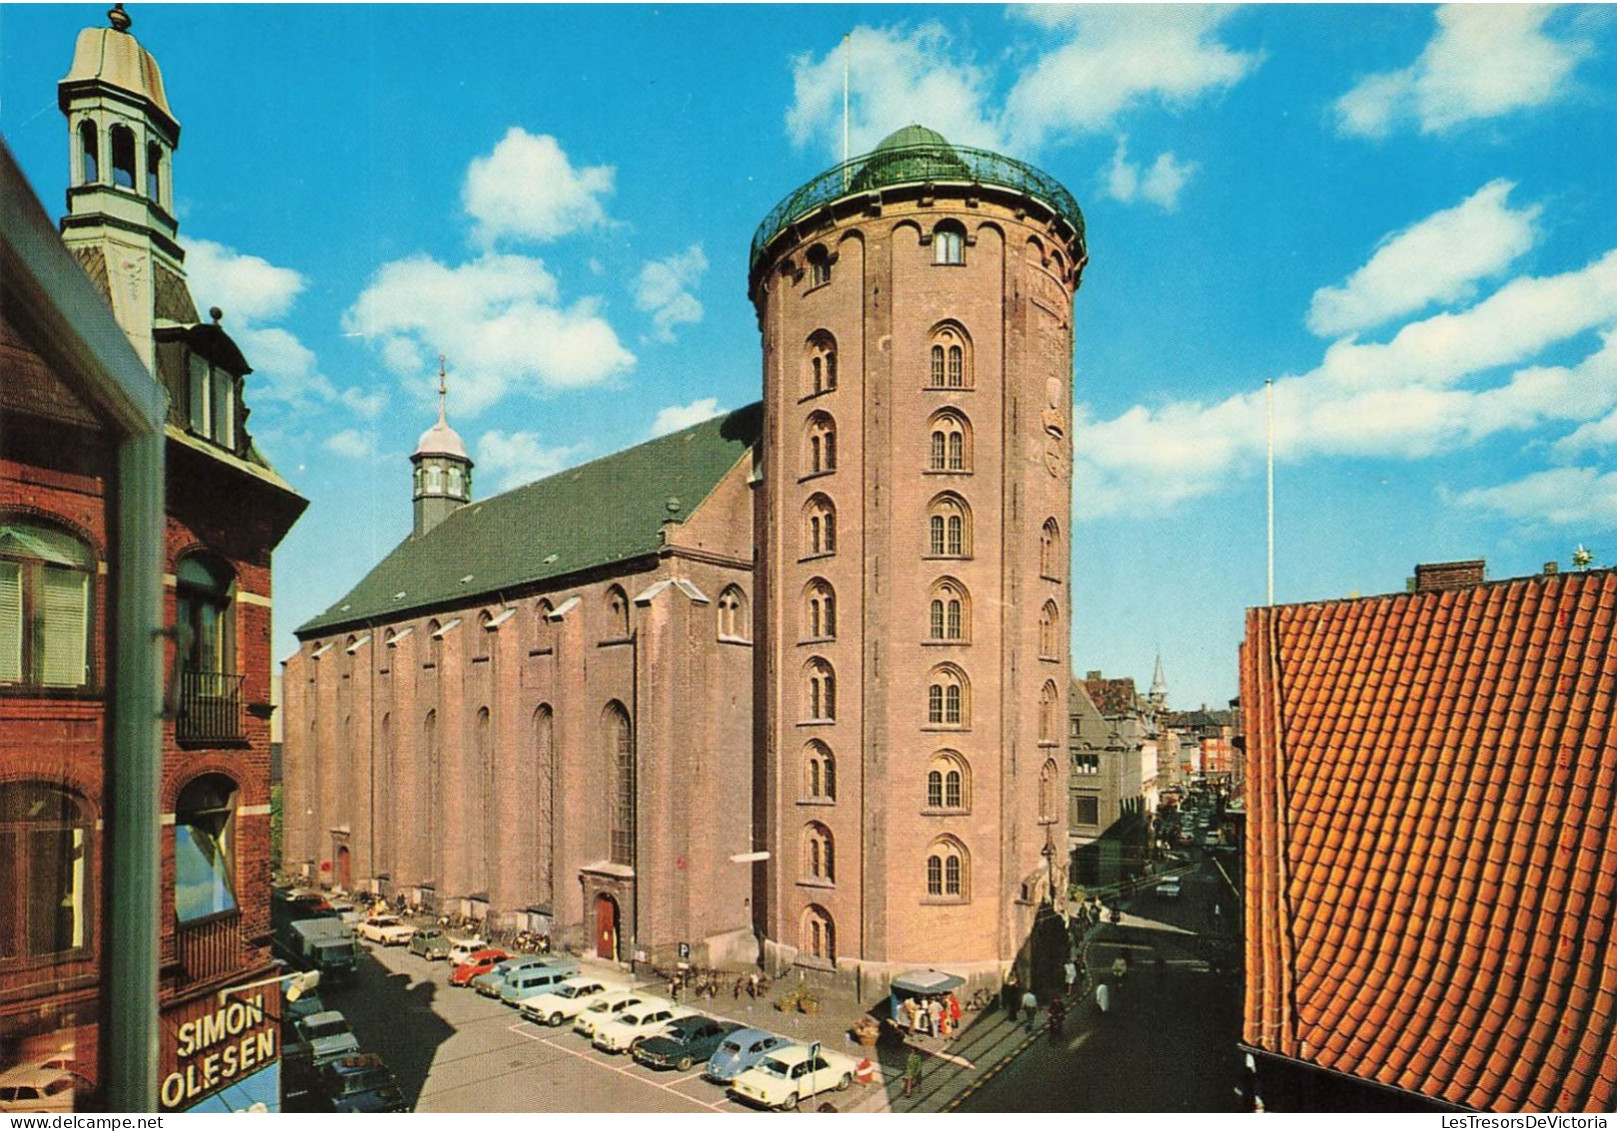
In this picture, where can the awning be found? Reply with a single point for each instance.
(926, 982)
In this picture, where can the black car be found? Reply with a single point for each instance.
(686, 1042)
(360, 1083)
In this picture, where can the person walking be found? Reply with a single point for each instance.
(934, 1016)
(1011, 996)
(1030, 1006)
(954, 1014)
(1069, 973)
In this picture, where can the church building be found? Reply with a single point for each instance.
(789, 685)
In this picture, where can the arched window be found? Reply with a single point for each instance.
(734, 623)
(948, 527)
(950, 449)
(948, 870)
(1050, 631)
(485, 635)
(820, 525)
(1049, 780)
(44, 871)
(619, 743)
(948, 782)
(154, 172)
(1050, 550)
(819, 854)
(205, 642)
(435, 645)
(950, 352)
(819, 266)
(817, 937)
(949, 616)
(1049, 703)
(542, 821)
(948, 697)
(819, 691)
(123, 157)
(46, 589)
(948, 243)
(488, 824)
(819, 610)
(90, 152)
(822, 443)
(205, 848)
(544, 636)
(616, 608)
(821, 362)
(819, 772)
(432, 745)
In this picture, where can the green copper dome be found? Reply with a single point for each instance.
(913, 153)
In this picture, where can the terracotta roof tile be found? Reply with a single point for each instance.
(1431, 904)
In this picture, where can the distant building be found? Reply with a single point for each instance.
(66, 546)
(793, 677)
(1112, 754)
(1431, 848)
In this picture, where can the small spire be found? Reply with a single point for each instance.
(119, 18)
(443, 390)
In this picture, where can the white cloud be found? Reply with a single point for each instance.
(500, 321)
(1439, 259)
(528, 189)
(1560, 496)
(1484, 61)
(353, 443)
(518, 457)
(675, 417)
(894, 75)
(1117, 58)
(244, 286)
(664, 291)
(1161, 184)
(1440, 384)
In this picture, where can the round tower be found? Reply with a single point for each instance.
(120, 197)
(915, 306)
(443, 471)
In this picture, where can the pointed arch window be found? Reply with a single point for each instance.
(123, 156)
(948, 698)
(435, 645)
(950, 353)
(949, 613)
(619, 741)
(616, 607)
(819, 854)
(1049, 779)
(821, 363)
(89, 152)
(734, 622)
(1050, 631)
(1049, 705)
(817, 937)
(544, 637)
(950, 448)
(819, 610)
(45, 844)
(948, 782)
(1050, 550)
(543, 823)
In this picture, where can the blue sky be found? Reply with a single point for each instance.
(1404, 216)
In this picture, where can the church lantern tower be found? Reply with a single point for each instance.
(443, 470)
(915, 306)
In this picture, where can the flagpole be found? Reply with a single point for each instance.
(1269, 412)
(846, 68)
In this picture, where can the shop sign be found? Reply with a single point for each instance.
(211, 1043)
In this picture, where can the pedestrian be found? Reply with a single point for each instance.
(1030, 1006)
(912, 1013)
(912, 1073)
(741, 980)
(934, 1016)
(1070, 973)
(1103, 997)
(752, 985)
(1011, 996)
(954, 1013)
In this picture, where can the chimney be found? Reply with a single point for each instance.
(1449, 575)
(1551, 568)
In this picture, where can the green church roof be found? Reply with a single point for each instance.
(609, 510)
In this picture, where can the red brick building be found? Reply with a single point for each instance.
(226, 509)
(1430, 846)
(800, 673)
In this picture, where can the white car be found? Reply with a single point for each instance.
(606, 1008)
(1168, 887)
(568, 1000)
(462, 949)
(795, 1073)
(636, 1023)
(37, 1089)
(389, 930)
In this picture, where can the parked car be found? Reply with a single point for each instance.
(489, 984)
(606, 1008)
(478, 962)
(462, 949)
(637, 1023)
(327, 1035)
(389, 930)
(566, 1001)
(683, 1043)
(32, 1088)
(430, 943)
(740, 1051)
(531, 981)
(360, 1083)
(1168, 887)
(787, 1076)
(307, 1005)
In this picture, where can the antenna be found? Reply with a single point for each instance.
(1269, 411)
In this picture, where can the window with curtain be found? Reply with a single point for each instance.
(46, 589)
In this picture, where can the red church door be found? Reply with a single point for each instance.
(344, 868)
(606, 928)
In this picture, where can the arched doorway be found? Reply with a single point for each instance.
(606, 928)
(344, 868)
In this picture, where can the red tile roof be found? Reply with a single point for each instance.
(1431, 856)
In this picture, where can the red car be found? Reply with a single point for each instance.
(480, 962)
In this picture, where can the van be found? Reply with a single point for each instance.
(531, 981)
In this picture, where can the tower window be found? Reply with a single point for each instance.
(822, 444)
(212, 395)
(820, 611)
(948, 700)
(822, 363)
(947, 870)
(951, 361)
(90, 148)
(821, 516)
(947, 782)
(123, 157)
(948, 528)
(950, 448)
(948, 613)
(154, 172)
(948, 244)
(819, 265)
(820, 692)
